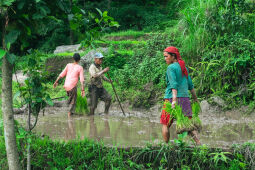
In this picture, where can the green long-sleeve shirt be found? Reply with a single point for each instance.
(175, 80)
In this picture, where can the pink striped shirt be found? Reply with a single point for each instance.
(72, 73)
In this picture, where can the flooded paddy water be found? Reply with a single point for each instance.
(141, 127)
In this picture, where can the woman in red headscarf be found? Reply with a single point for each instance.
(178, 84)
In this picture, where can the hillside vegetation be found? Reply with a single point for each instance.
(216, 39)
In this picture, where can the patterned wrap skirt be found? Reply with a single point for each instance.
(72, 94)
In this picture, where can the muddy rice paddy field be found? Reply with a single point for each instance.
(140, 127)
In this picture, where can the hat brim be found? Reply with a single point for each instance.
(100, 57)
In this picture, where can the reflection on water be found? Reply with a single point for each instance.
(70, 132)
(133, 131)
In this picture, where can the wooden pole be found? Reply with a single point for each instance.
(116, 94)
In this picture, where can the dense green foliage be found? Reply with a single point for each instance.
(138, 15)
(68, 22)
(209, 34)
(46, 24)
(216, 38)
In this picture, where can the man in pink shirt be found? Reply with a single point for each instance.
(72, 72)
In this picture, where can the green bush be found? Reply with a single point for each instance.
(234, 79)
(145, 66)
(115, 61)
(230, 18)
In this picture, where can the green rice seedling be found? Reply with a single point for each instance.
(81, 104)
(195, 118)
(169, 109)
(183, 123)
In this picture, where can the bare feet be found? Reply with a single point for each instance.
(194, 135)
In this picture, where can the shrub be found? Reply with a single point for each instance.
(234, 63)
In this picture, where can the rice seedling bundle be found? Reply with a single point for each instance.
(183, 123)
(168, 108)
(195, 118)
(81, 104)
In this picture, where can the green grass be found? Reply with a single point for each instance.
(125, 52)
(124, 42)
(57, 92)
(190, 31)
(88, 154)
(70, 54)
(65, 54)
(129, 33)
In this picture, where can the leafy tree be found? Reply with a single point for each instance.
(23, 22)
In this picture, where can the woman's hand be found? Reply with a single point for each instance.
(173, 104)
(194, 96)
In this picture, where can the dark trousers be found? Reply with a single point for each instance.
(99, 93)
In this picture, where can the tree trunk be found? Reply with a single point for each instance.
(28, 144)
(71, 37)
(9, 128)
(28, 157)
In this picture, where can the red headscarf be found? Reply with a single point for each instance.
(174, 50)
